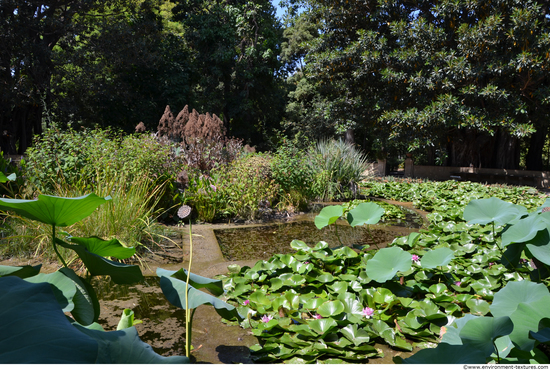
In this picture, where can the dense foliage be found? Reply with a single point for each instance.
(466, 78)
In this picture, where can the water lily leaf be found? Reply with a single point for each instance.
(20, 271)
(365, 213)
(478, 306)
(484, 211)
(214, 286)
(345, 252)
(355, 334)
(412, 239)
(313, 303)
(330, 308)
(58, 211)
(322, 326)
(523, 231)
(437, 257)
(105, 248)
(35, 330)
(300, 246)
(526, 303)
(174, 290)
(120, 273)
(328, 216)
(325, 278)
(387, 262)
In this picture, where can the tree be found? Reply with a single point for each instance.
(467, 76)
(126, 69)
(29, 31)
(235, 44)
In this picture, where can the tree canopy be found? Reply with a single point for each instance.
(470, 77)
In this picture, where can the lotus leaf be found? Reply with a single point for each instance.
(105, 248)
(526, 303)
(20, 271)
(35, 330)
(322, 326)
(174, 290)
(387, 262)
(484, 211)
(539, 246)
(52, 210)
(437, 257)
(328, 216)
(120, 273)
(214, 286)
(365, 213)
(524, 230)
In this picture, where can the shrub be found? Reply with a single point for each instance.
(345, 165)
(247, 186)
(293, 172)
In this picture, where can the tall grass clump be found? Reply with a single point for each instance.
(343, 165)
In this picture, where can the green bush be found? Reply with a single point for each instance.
(344, 165)
(293, 172)
(247, 185)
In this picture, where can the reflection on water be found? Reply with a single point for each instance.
(264, 241)
(163, 324)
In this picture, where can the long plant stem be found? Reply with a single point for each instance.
(188, 316)
(336, 232)
(55, 247)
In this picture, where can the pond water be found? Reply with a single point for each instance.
(262, 242)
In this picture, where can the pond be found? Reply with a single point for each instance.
(262, 242)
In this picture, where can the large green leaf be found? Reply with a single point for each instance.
(120, 273)
(86, 305)
(365, 213)
(387, 262)
(174, 290)
(214, 286)
(63, 288)
(484, 211)
(328, 216)
(526, 303)
(539, 246)
(322, 326)
(437, 257)
(524, 230)
(58, 211)
(4, 178)
(33, 328)
(330, 308)
(473, 344)
(20, 271)
(105, 248)
(355, 334)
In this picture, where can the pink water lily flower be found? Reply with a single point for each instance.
(317, 316)
(415, 258)
(368, 312)
(266, 318)
(246, 302)
(457, 283)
